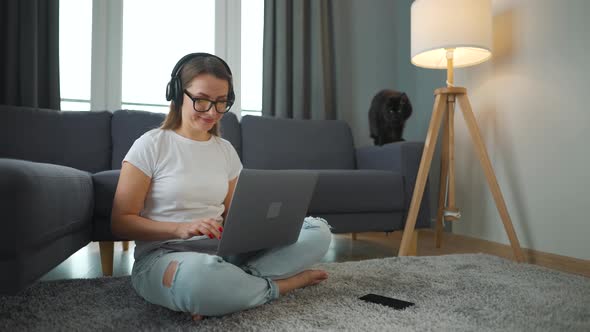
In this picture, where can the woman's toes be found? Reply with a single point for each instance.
(317, 276)
(197, 317)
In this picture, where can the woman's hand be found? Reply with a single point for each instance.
(210, 227)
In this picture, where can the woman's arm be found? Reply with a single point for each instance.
(129, 199)
(229, 196)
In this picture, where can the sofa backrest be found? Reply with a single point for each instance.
(78, 139)
(273, 143)
(230, 130)
(128, 125)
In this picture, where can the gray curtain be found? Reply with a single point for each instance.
(29, 53)
(298, 60)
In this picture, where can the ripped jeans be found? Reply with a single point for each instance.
(210, 285)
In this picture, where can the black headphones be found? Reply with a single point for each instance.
(174, 89)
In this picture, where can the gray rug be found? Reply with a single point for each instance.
(455, 292)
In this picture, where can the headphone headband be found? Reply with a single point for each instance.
(174, 89)
(190, 56)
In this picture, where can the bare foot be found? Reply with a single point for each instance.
(302, 279)
(197, 317)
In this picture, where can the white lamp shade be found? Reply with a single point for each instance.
(465, 25)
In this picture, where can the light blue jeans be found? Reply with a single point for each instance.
(210, 285)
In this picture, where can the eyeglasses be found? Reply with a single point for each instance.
(204, 104)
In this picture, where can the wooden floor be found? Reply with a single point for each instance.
(86, 262)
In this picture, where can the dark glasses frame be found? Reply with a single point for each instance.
(228, 103)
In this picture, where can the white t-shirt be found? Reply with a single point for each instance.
(189, 179)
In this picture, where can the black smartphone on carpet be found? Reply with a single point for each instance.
(387, 301)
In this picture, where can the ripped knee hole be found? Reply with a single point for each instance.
(169, 274)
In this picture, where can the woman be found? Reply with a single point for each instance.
(176, 183)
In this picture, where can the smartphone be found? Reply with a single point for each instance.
(387, 301)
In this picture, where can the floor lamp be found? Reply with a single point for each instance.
(447, 34)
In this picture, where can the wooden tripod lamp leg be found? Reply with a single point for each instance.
(451, 155)
(426, 160)
(444, 171)
(490, 175)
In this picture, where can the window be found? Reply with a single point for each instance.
(251, 60)
(75, 34)
(155, 35)
(137, 43)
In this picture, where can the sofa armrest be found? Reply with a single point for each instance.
(41, 203)
(400, 157)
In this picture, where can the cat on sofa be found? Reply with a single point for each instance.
(387, 116)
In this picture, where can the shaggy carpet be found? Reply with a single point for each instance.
(454, 292)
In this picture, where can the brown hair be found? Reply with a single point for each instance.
(193, 68)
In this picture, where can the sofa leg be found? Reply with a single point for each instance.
(106, 257)
(354, 236)
(413, 250)
(125, 245)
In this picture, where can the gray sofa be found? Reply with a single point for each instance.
(59, 171)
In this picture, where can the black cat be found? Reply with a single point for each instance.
(387, 116)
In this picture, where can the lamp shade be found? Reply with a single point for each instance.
(464, 25)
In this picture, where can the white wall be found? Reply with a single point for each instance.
(532, 103)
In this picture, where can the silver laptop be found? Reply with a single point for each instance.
(266, 211)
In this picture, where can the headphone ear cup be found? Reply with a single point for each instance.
(169, 93)
(172, 91)
(176, 93)
(231, 96)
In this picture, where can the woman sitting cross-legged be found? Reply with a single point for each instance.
(176, 182)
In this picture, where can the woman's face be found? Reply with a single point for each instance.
(203, 86)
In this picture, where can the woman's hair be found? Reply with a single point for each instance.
(193, 68)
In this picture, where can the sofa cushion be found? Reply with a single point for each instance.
(273, 143)
(80, 140)
(105, 185)
(337, 191)
(128, 125)
(352, 191)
